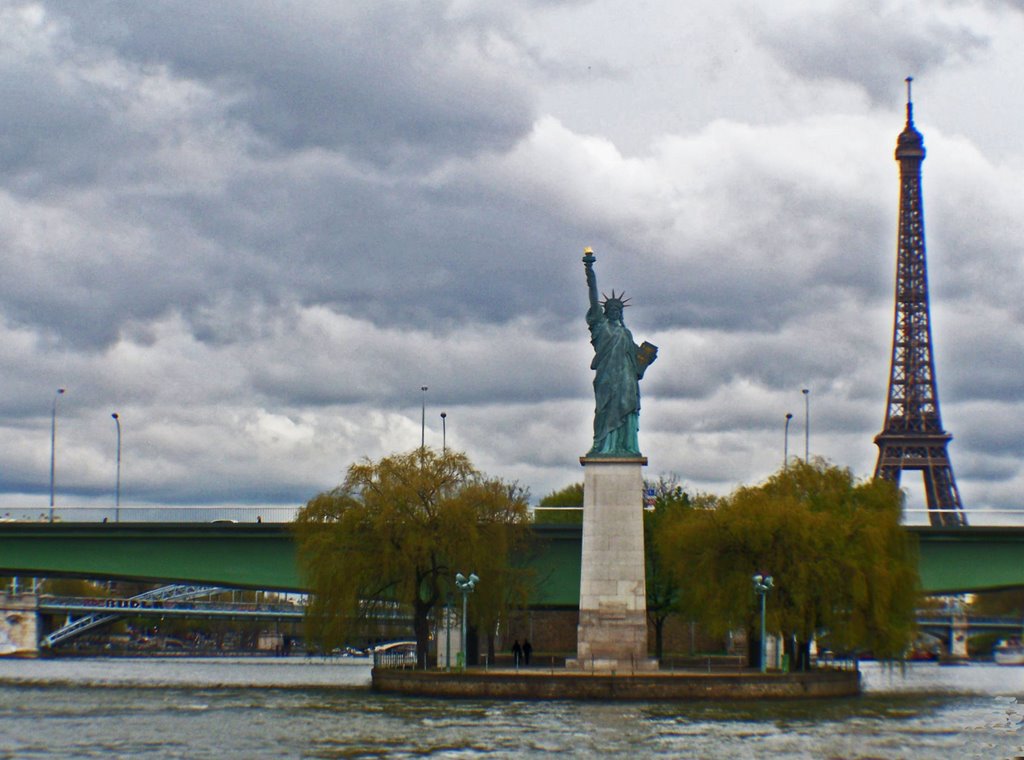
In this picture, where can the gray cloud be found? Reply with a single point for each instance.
(870, 44)
(257, 233)
(385, 82)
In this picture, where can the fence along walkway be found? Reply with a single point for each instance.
(200, 514)
(981, 517)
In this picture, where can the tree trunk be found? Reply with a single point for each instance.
(421, 626)
(799, 652)
(754, 647)
(803, 649)
(472, 646)
(659, 636)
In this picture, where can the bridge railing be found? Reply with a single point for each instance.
(993, 621)
(980, 517)
(129, 605)
(395, 655)
(186, 514)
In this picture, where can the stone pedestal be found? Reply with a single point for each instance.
(612, 632)
(19, 625)
(958, 631)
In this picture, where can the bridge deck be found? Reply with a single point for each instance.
(262, 555)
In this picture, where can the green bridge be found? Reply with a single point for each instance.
(262, 555)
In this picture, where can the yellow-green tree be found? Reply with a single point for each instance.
(397, 530)
(73, 587)
(564, 506)
(663, 586)
(504, 583)
(842, 564)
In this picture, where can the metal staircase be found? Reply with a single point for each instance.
(175, 592)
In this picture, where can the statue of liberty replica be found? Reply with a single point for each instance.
(619, 363)
(612, 631)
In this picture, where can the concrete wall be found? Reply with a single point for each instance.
(553, 632)
(560, 684)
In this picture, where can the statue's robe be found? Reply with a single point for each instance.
(616, 385)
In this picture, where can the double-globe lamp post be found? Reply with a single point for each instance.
(117, 490)
(466, 586)
(762, 585)
(448, 632)
(53, 447)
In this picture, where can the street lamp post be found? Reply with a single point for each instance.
(53, 447)
(466, 586)
(785, 443)
(448, 632)
(807, 424)
(762, 585)
(423, 418)
(444, 433)
(117, 489)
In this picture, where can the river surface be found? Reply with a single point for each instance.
(312, 708)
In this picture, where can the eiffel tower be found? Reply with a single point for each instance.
(913, 438)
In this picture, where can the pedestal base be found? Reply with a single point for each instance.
(612, 667)
(612, 631)
(612, 640)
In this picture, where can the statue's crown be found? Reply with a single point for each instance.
(619, 299)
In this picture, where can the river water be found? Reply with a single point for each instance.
(312, 708)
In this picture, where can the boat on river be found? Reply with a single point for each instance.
(1009, 652)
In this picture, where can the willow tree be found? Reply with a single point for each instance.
(398, 530)
(663, 586)
(504, 537)
(842, 564)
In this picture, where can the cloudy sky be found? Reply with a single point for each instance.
(256, 229)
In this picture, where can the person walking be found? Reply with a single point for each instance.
(517, 653)
(527, 649)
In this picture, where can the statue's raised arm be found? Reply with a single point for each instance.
(588, 267)
(618, 364)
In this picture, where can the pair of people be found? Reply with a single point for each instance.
(521, 652)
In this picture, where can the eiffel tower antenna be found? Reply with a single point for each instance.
(913, 438)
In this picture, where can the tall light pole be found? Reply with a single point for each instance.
(466, 586)
(762, 585)
(53, 447)
(807, 424)
(117, 490)
(448, 632)
(423, 419)
(785, 443)
(444, 433)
